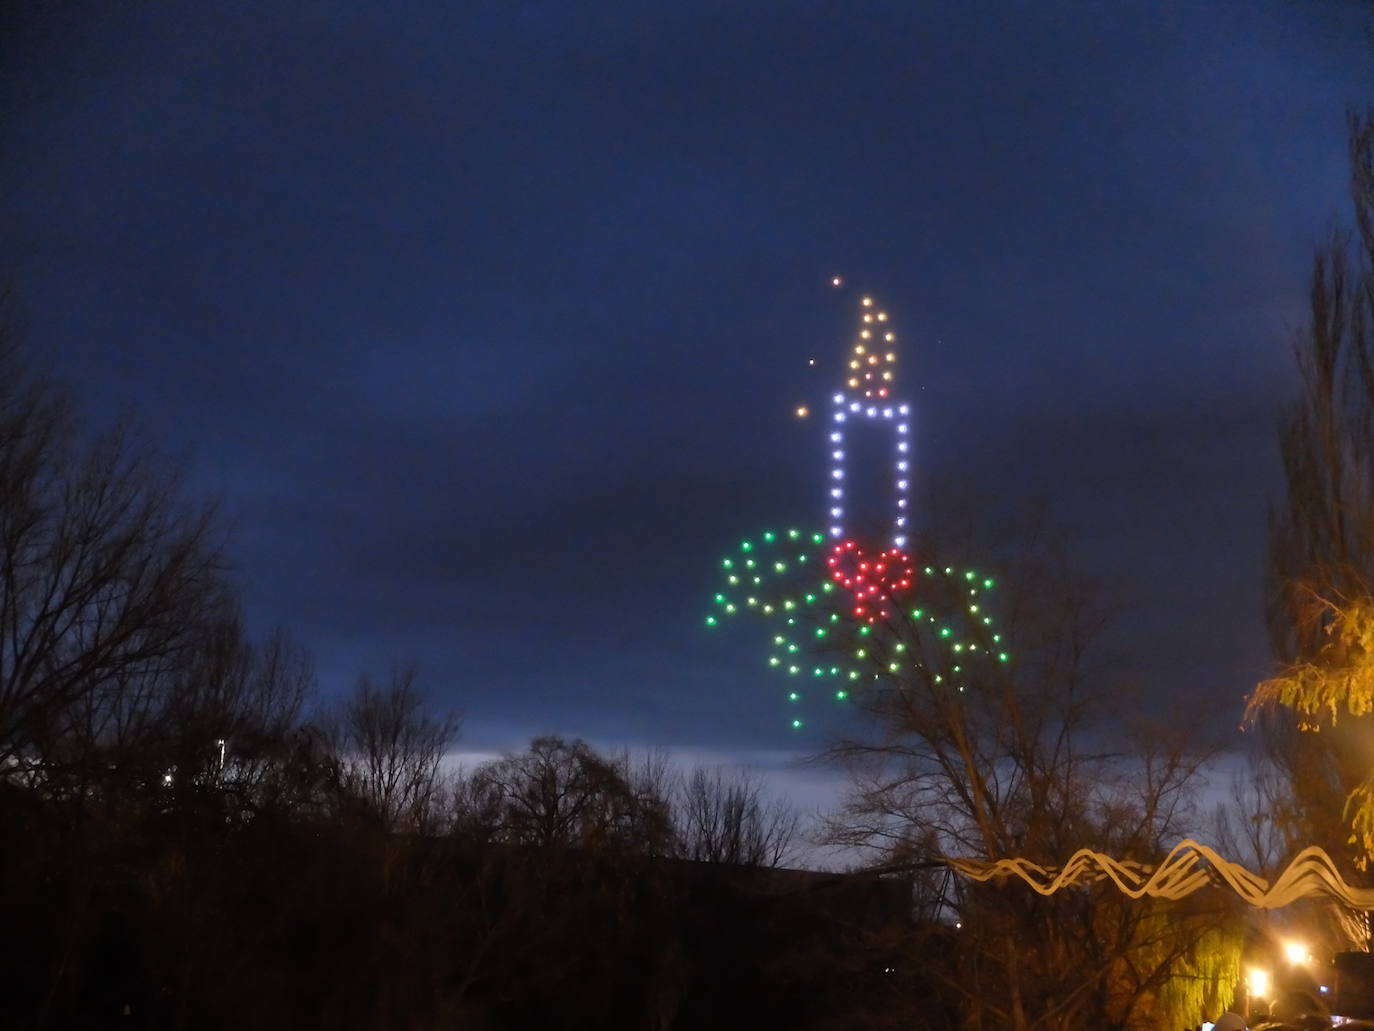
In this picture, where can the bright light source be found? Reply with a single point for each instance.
(1296, 952)
(1258, 983)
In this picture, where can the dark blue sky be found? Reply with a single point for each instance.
(485, 319)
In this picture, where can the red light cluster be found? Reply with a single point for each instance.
(873, 581)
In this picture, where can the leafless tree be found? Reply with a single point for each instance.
(563, 794)
(107, 577)
(1023, 758)
(391, 748)
(727, 818)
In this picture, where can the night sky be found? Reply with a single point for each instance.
(485, 321)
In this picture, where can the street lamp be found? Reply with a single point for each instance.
(1256, 987)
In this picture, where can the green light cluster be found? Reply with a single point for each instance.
(783, 577)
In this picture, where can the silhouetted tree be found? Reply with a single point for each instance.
(107, 576)
(1320, 604)
(563, 794)
(391, 749)
(1025, 758)
(728, 819)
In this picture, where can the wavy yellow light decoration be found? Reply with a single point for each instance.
(1311, 873)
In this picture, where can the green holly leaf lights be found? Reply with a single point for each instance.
(940, 633)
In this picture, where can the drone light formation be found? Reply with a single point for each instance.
(839, 610)
(866, 395)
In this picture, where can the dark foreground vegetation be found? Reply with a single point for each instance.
(192, 840)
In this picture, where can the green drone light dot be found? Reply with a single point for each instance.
(780, 566)
(968, 575)
(749, 563)
(996, 638)
(789, 604)
(768, 536)
(1002, 656)
(727, 563)
(710, 620)
(773, 660)
(956, 669)
(916, 613)
(758, 579)
(730, 608)
(860, 653)
(987, 621)
(834, 617)
(792, 696)
(720, 599)
(794, 534)
(853, 674)
(818, 672)
(892, 667)
(768, 610)
(751, 601)
(792, 648)
(734, 579)
(820, 631)
(948, 571)
(834, 671)
(827, 588)
(899, 647)
(939, 679)
(841, 695)
(864, 631)
(944, 631)
(987, 584)
(746, 546)
(958, 647)
(779, 639)
(818, 538)
(810, 598)
(792, 621)
(973, 608)
(796, 724)
(793, 670)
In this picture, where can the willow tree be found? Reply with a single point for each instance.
(1318, 713)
